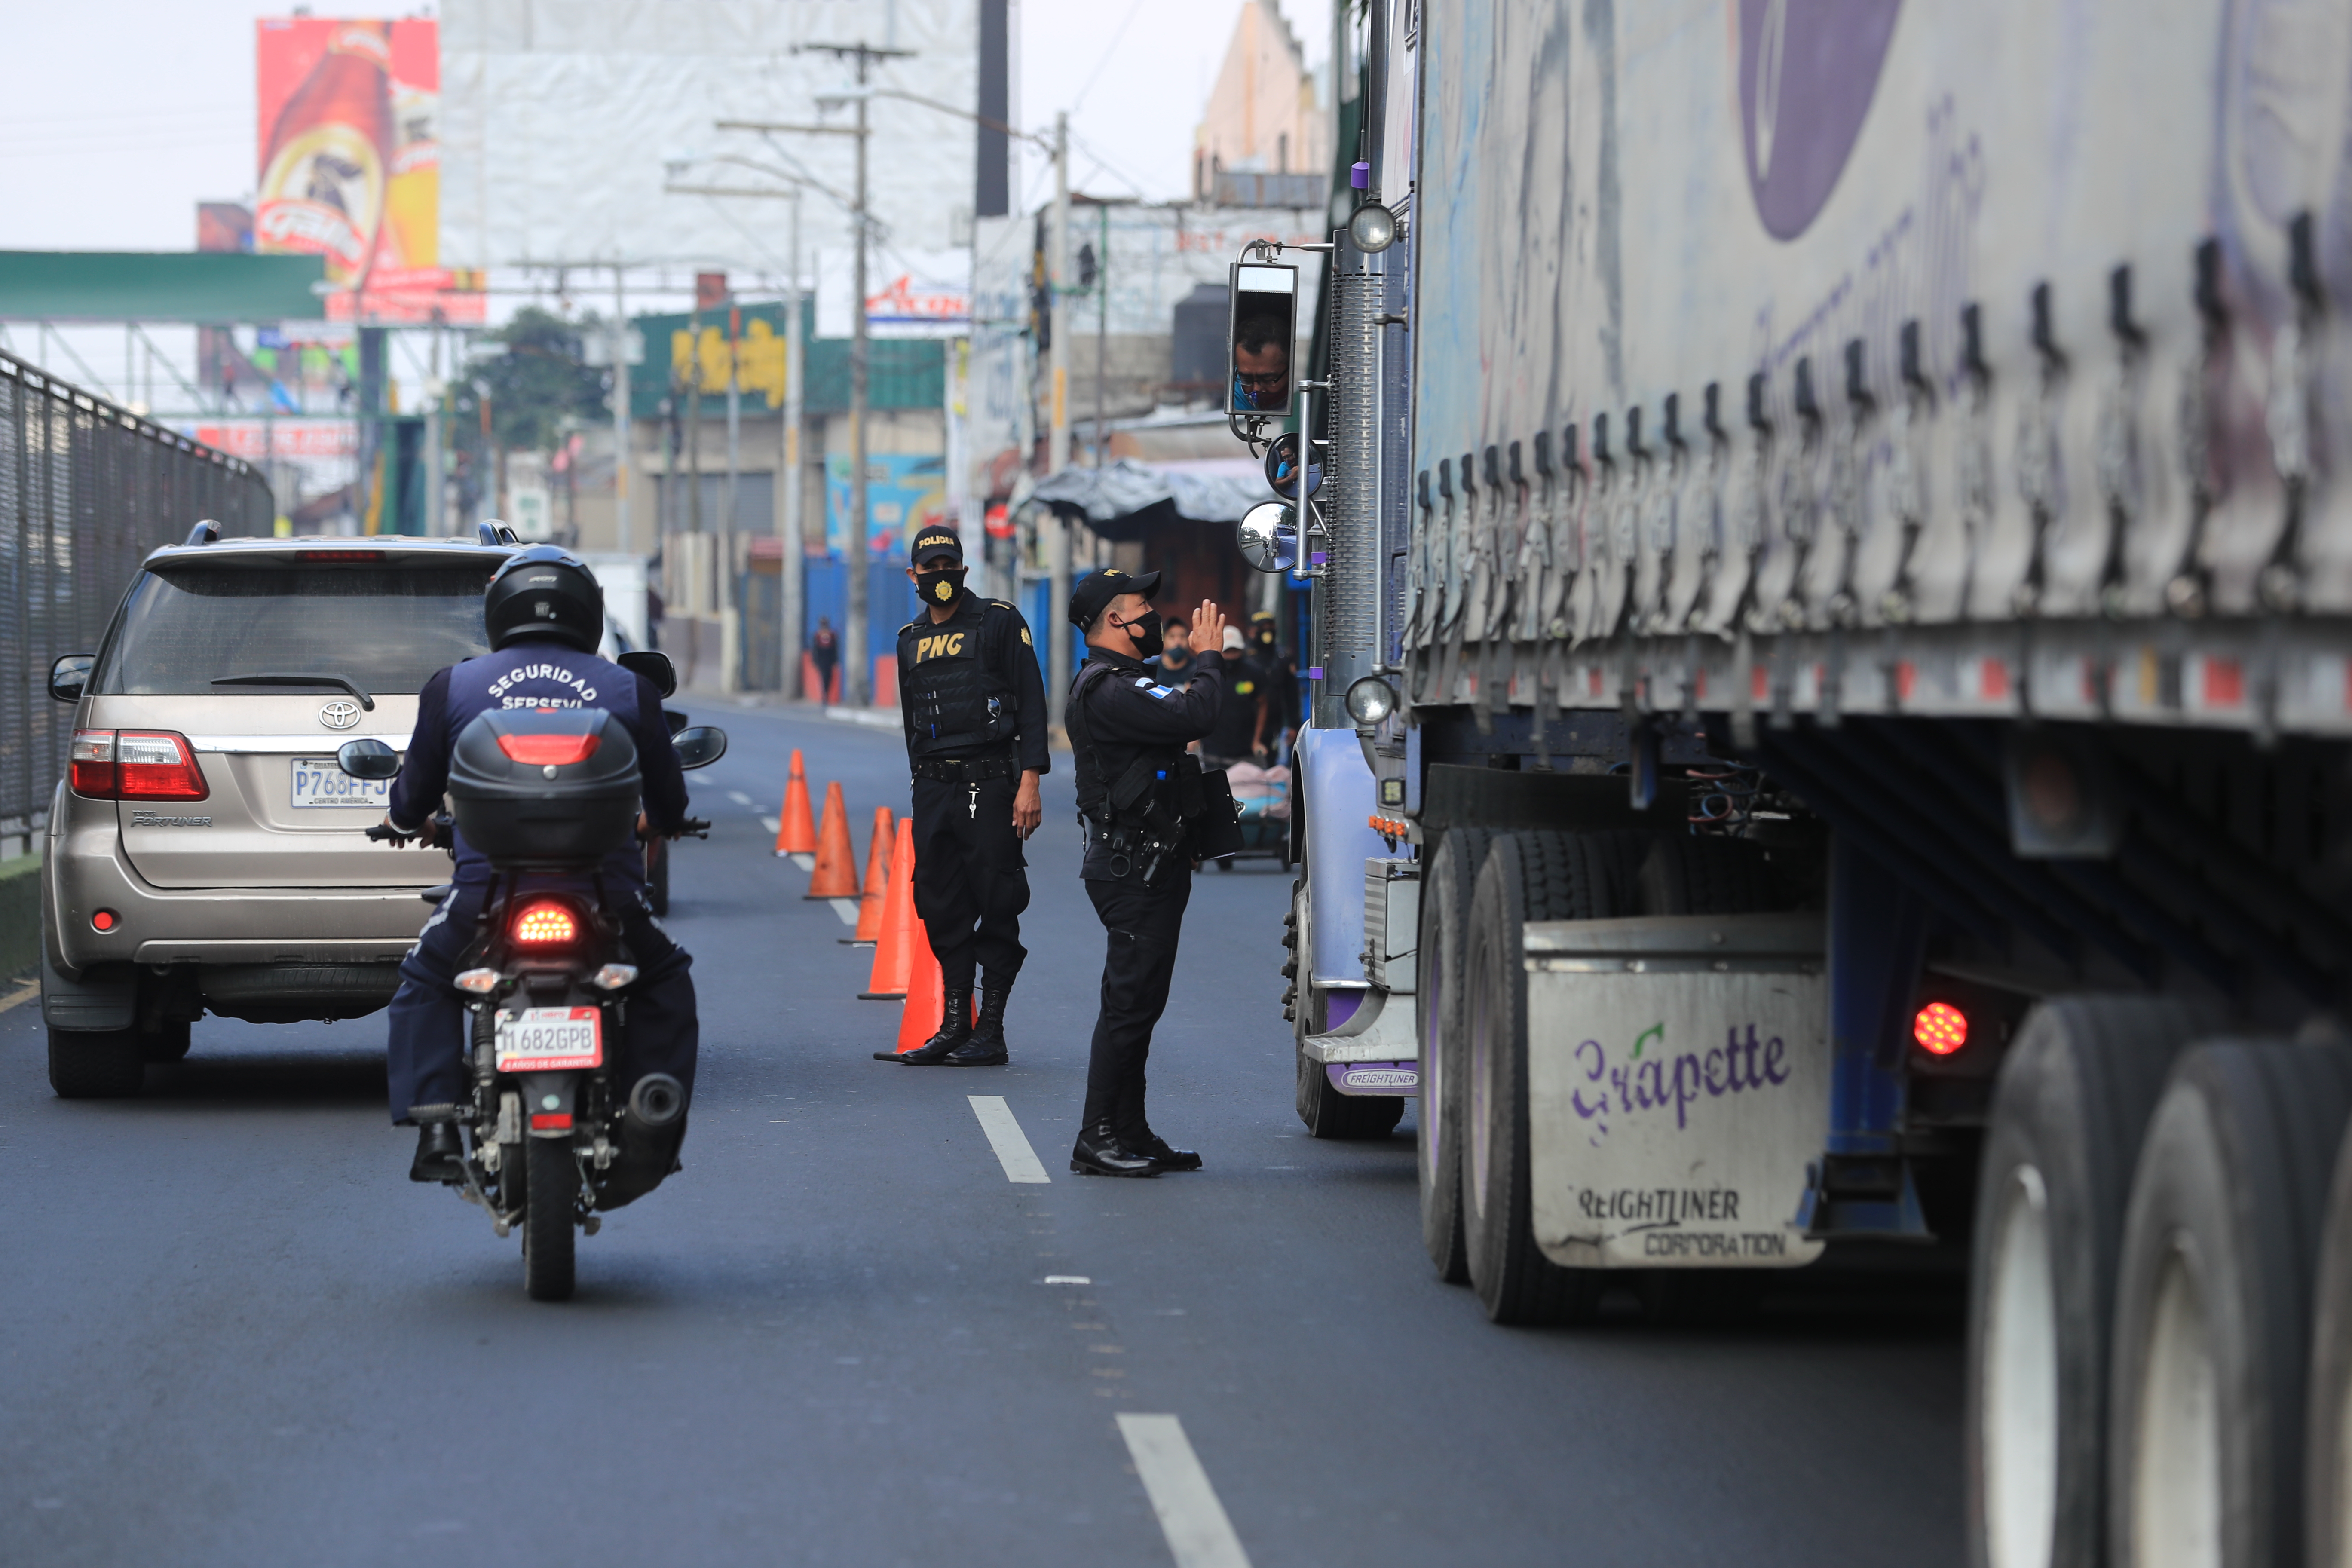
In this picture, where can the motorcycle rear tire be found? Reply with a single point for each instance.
(551, 1190)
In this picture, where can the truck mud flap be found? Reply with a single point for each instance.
(1678, 1073)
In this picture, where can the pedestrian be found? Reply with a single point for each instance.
(973, 705)
(1241, 718)
(1175, 660)
(1275, 674)
(1139, 794)
(824, 652)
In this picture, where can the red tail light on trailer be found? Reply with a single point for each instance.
(1940, 1028)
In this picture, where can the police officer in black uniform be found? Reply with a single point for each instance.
(974, 709)
(1139, 793)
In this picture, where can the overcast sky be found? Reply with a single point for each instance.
(176, 79)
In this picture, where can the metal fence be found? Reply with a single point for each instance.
(87, 489)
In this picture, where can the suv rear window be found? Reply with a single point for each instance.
(385, 628)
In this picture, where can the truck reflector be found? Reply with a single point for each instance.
(1940, 1028)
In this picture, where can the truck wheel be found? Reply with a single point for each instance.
(2212, 1336)
(1325, 1112)
(95, 1064)
(1527, 876)
(2327, 1443)
(551, 1191)
(1445, 891)
(2073, 1099)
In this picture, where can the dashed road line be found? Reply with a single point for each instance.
(32, 988)
(1199, 1533)
(1004, 1136)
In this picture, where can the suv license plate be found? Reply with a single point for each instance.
(319, 782)
(544, 1039)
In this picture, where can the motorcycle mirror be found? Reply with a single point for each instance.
(654, 665)
(700, 746)
(367, 758)
(1268, 537)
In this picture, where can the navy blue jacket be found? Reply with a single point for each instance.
(537, 673)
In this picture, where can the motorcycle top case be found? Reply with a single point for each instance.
(543, 785)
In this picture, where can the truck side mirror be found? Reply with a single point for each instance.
(1267, 536)
(1262, 335)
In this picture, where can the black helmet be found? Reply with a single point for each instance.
(546, 592)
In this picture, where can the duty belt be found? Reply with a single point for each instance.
(966, 770)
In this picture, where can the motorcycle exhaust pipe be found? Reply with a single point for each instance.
(658, 1100)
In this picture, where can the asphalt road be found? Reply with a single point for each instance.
(231, 1331)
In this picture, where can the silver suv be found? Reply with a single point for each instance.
(204, 851)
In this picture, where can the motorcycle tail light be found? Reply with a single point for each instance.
(547, 751)
(134, 765)
(481, 982)
(545, 924)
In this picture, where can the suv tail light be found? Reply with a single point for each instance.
(135, 764)
(543, 923)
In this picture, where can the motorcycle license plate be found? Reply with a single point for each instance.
(546, 1039)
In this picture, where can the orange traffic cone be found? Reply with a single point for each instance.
(877, 877)
(835, 875)
(926, 1007)
(795, 833)
(893, 959)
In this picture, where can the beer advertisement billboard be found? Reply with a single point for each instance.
(350, 149)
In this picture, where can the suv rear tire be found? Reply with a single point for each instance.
(95, 1063)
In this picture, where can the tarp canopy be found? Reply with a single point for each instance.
(1121, 501)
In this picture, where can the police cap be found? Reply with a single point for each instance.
(1093, 593)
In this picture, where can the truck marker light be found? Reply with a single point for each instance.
(1940, 1028)
(543, 924)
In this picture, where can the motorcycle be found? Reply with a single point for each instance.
(552, 1141)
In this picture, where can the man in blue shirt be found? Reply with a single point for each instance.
(545, 614)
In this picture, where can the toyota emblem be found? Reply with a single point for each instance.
(339, 714)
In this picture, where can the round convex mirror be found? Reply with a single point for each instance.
(1282, 467)
(1268, 537)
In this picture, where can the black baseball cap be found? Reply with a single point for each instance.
(1093, 593)
(933, 543)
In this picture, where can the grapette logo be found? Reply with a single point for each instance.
(339, 714)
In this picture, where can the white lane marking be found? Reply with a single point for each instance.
(32, 988)
(805, 862)
(772, 823)
(1004, 1136)
(846, 908)
(739, 798)
(1199, 1533)
(1067, 1279)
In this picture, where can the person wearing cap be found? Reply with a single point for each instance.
(973, 705)
(1139, 793)
(1272, 674)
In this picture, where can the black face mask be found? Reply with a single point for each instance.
(1265, 636)
(940, 587)
(1145, 627)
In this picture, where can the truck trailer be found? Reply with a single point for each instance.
(1833, 601)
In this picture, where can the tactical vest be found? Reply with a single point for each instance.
(1148, 791)
(954, 702)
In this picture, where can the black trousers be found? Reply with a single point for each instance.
(425, 1053)
(971, 881)
(1142, 925)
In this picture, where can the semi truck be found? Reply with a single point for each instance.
(1833, 601)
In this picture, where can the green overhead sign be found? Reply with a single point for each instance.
(220, 288)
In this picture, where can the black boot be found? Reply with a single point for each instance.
(955, 1028)
(1166, 1158)
(440, 1155)
(986, 1047)
(1098, 1153)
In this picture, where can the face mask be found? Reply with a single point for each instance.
(1265, 636)
(940, 587)
(1145, 627)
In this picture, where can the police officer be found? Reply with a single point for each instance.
(1275, 677)
(1137, 795)
(544, 612)
(975, 709)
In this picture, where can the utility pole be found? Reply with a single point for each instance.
(1102, 321)
(620, 410)
(731, 618)
(1057, 449)
(795, 546)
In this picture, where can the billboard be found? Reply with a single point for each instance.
(350, 158)
(904, 491)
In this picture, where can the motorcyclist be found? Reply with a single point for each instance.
(545, 614)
